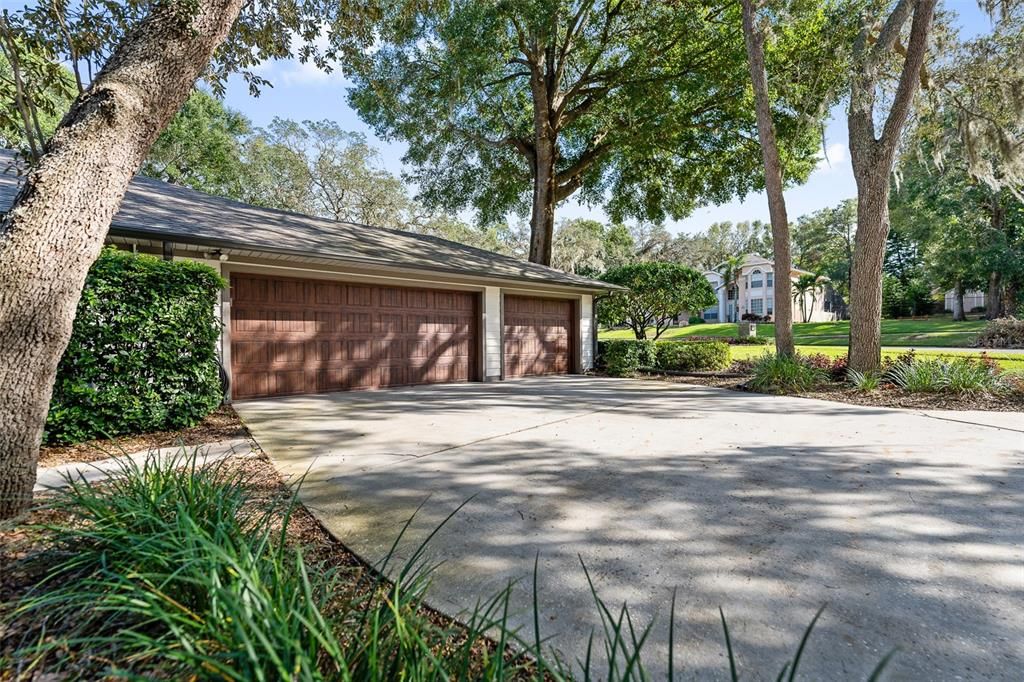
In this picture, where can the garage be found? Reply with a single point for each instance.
(538, 336)
(292, 336)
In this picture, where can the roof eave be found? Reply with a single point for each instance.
(122, 230)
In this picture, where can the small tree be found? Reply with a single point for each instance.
(657, 293)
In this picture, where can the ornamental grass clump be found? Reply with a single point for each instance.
(183, 571)
(864, 381)
(786, 374)
(959, 375)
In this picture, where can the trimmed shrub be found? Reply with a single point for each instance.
(696, 320)
(732, 340)
(686, 356)
(142, 355)
(779, 374)
(1005, 332)
(622, 357)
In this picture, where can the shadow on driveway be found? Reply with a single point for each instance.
(908, 527)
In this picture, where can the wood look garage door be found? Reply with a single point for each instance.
(309, 336)
(539, 335)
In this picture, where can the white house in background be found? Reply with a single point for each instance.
(754, 292)
(972, 299)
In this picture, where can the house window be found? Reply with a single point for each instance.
(755, 279)
(733, 293)
(757, 306)
(771, 305)
(711, 314)
(771, 279)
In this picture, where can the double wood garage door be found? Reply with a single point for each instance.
(291, 336)
(309, 336)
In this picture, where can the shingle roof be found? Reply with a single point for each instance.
(159, 210)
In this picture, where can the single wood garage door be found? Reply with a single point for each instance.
(310, 336)
(539, 335)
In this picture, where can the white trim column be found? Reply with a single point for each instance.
(492, 333)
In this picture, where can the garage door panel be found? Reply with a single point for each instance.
(538, 336)
(301, 336)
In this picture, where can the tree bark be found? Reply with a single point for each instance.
(958, 302)
(542, 220)
(994, 296)
(866, 272)
(1009, 304)
(872, 158)
(59, 220)
(772, 178)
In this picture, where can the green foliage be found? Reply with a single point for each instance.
(956, 375)
(656, 293)
(1004, 332)
(201, 148)
(142, 355)
(650, 114)
(782, 374)
(823, 242)
(622, 357)
(579, 247)
(35, 90)
(691, 356)
(904, 300)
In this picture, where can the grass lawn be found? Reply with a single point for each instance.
(937, 331)
(1008, 362)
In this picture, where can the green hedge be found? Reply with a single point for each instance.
(702, 356)
(622, 357)
(142, 355)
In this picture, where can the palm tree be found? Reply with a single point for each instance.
(804, 284)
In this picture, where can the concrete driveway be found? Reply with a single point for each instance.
(910, 526)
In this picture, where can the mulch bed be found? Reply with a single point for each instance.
(222, 424)
(886, 396)
(890, 396)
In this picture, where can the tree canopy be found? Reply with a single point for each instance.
(642, 108)
(657, 292)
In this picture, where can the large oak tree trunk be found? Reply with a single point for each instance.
(872, 157)
(772, 180)
(866, 270)
(542, 219)
(60, 218)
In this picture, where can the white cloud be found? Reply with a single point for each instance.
(295, 72)
(834, 155)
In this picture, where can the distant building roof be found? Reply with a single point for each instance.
(158, 210)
